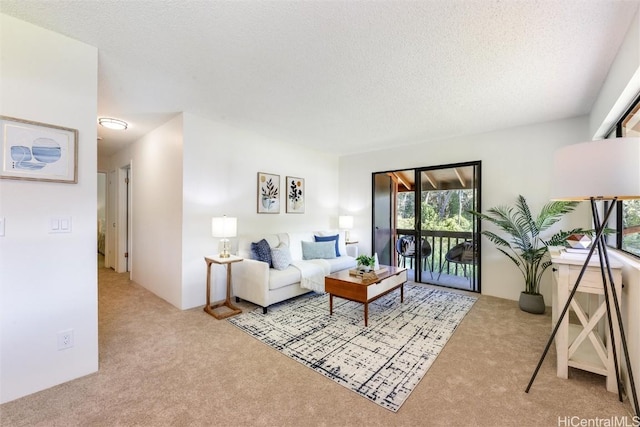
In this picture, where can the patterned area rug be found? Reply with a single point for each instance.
(382, 362)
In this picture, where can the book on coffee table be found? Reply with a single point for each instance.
(371, 274)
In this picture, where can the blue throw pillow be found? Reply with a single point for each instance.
(262, 251)
(328, 239)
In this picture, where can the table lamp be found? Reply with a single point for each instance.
(224, 227)
(345, 222)
(606, 170)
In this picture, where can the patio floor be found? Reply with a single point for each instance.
(448, 280)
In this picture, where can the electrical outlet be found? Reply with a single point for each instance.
(65, 339)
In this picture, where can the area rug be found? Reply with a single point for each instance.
(382, 362)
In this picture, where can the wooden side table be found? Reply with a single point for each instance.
(209, 308)
(585, 344)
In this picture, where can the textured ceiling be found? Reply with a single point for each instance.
(345, 76)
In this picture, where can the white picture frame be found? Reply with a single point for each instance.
(268, 193)
(34, 151)
(296, 194)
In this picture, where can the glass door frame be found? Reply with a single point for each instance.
(417, 231)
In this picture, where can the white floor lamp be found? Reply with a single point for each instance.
(607, 170)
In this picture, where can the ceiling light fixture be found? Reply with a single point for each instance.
(112, 123)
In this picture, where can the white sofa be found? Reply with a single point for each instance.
(256, 282)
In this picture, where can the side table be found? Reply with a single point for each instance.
(352, 248)
(209, 308)
(586, 343)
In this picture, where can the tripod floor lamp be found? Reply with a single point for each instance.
(607, 170)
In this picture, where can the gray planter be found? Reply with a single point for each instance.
(532, 303)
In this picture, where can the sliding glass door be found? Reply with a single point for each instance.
(383, 213)
(424, 213)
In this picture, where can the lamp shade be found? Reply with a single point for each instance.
(604, 169)
(224, 226)
(345, 222)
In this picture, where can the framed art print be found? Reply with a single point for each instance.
(268, 193)
(295, 195)
(38, 152)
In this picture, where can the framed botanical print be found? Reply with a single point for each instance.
(268, 193)
(295, 195)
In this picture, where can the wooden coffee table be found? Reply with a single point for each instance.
(354, 288)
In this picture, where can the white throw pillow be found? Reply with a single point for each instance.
(280, 257)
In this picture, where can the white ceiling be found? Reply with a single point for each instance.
(345, 76)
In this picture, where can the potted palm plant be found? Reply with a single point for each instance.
(525, 244)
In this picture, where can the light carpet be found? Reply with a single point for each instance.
(382, 362)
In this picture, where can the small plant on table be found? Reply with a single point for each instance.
(366, 262)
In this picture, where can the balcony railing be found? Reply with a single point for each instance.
(458, 272)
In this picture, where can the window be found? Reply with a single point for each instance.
(628, 211)
(630, 227)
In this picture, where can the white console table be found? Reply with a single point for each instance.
(583, 339)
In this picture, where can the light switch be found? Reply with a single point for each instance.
(1, 226)
(60, 224)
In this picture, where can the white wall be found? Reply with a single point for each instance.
(48, 282)
(221, 164)
(621, 86)
(156, 193)
(514, 161)
(192, 169)
(103, 164)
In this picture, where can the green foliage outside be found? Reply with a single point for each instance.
(631, 218)
(446, 210)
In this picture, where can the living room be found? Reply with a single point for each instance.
(192, 168)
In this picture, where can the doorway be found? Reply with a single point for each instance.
(124, 220)
(118, 219)
(102, 216)
(422, 222)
